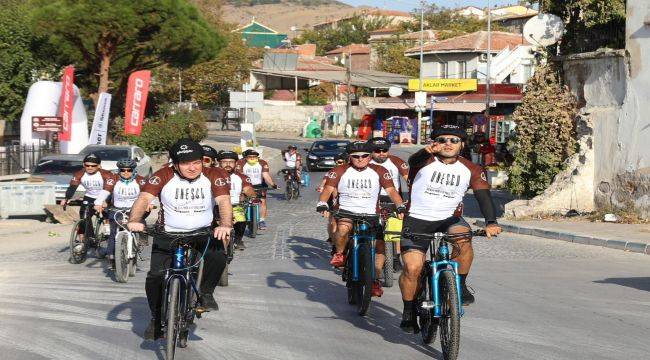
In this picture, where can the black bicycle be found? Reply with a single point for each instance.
(292, 185)
(91, 227)
(230, 254)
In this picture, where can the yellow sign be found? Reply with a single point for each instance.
(443, 85)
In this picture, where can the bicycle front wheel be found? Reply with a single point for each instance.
(133, 263)
(122, 257)
(288, 193)
(173, 318)
(253, 224)
(426, 321)
(388, 264)
(450, 316)
(365, 278)
(77, 246)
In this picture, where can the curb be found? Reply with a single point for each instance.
(630, 246)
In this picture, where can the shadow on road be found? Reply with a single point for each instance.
(382, 320)
(639, 283)
(136, 311)
(307, 250)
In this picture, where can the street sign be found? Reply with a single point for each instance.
(246, 100)
(420, 101)
(47, 123)
(444, 85)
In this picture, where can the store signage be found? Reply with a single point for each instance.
(47, 123)
(444, 85)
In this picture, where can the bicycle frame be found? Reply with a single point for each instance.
(440, 262)
(361, 232)
(183, 272)
(252, 210)
(122, 225)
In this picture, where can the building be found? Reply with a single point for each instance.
(465, 57)
(395, 18)
(513, 23)
(470, 11)
(513, 10)
(381, 37)
(257, 35)
(360, 54)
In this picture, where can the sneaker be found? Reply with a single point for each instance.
(240, 245)
(262, 225)
(408, 322)
(377, 291)
(338, 260)
(397, 265)
(333, 250)
(153, 331)
(467, 296)
(78, 248)
(208, 301)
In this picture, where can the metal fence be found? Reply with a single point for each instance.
(20, 159)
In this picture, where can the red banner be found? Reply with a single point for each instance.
(136, 101)
(66, 103)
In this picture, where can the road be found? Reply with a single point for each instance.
(536, 299)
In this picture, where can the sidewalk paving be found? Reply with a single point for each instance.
(628, 237)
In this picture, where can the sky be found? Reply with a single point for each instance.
(408, 5)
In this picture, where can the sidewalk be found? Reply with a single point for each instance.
(628, 237)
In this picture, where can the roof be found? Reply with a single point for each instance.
(386, 30)
(474, 42)
(256, 28)
(351, 49)
(513, 17)
(361, 78)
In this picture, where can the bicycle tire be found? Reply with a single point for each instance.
(450, 316)
(173, 318)
(389, 273)
(122, 262)
(349, 283)
(134, 262)
(364, 288)
(98, 233)
(296, 189)
(426, 321)
(253, 224)
(288, 192)
(77, 258)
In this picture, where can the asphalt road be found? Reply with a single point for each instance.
(536, 299)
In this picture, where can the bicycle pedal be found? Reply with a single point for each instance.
(200, 310)
(427, 305)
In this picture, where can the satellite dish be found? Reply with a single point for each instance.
(395, 91)
(544, 29)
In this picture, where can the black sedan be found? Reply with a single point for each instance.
(321, 154)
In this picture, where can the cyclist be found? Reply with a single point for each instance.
(439, 178)
(187, 192)
(239, 184)
(92, 177)
(293, 161)
(396, 167)
(209, 156)
(357, 185)
(339, 159)
(122, 188)
(258, 171)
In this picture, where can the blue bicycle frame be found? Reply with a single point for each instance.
(252, 211)
(361, 232)
(441, 251)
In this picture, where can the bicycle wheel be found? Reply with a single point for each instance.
(122, 257)
(133, 263)
(349, 283)
(253, 224)
(426, 321)
(98, 235)
(296, 189)
(450, 316)
(288, 192)
(364, 288)
(77, 247)
(389, 273)
(173, 318)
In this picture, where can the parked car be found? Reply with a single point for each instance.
(110, 154)
(59, 169)
(321, 154)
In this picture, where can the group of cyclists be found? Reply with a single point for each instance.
(203, 188)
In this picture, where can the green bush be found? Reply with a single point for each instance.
(160, 134)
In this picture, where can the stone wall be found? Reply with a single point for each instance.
(291, 118)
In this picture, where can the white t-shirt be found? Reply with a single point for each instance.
(238, 182)
(395, 167)
(92, 183)
(291, 160)
(254, 172)
(124, 192)
(358, 190)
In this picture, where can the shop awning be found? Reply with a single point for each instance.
(441, 106)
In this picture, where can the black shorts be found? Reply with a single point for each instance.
(344, 216)
(427, 227)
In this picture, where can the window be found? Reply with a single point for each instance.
(462, 69)
(443, 70)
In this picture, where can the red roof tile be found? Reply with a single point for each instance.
(352, 48)
(473, 42)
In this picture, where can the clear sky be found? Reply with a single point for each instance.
(408, 5)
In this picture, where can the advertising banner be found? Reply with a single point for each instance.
(100, 122)
(66, 103)
(136, 101)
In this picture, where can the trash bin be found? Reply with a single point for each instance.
(25, 198)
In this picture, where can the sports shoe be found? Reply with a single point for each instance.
(240, 245)
(377, 291)
(338, 260)
(262, 225)
(208, 301)
(408, 322)
(153, 331)
(467, 296)
(78, 248)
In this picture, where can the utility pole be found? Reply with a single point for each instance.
(422, 4)
(489, 62)
(348, 76)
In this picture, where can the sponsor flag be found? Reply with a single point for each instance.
(66, 103)
(100, 122)
(136, 101)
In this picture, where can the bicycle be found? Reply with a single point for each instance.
(253, 210)
(292, 186)
(359, 270)
(388, 216)
(182, 301)
(93, 235)
(439, 302)
(127, 250)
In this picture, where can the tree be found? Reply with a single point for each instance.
(390, 58)
(545, 133)
(107, 40)
(448, 23)
(355, 30)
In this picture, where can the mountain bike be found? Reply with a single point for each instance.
(91, 227)
(292, 186)
(252, 216)
(127, 250)
(439, 302)
(359, 270)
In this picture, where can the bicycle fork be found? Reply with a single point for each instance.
(355, 257)
(437, 268)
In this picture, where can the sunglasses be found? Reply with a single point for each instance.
(91, 165)
(364, 156)
(380, 151)
(207, 160)
(443, 140)
(126, 170)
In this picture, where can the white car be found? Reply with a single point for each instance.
(111, 154)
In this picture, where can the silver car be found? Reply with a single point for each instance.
(111, 154)
(59, 170)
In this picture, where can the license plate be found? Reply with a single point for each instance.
(329, 162)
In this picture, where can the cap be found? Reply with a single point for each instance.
(250, 152)
(379, 143)
(93, 159)
(359, 147)
(449, 130)
(185, 150)
(223, 155)
(292, 147)
(209, 151)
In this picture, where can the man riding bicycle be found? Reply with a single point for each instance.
(293, 161)
(339, 159)
(187, 193)
(439, 178)
(123, 189)
(358, 185)
(92, 177)
(240, 185)
(259, 173)
(209, 156)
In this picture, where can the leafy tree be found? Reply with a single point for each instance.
(390, 58)
(545, 133)
(448, 23)
(355, 30)
(107, 40)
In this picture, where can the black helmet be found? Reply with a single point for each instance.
(93, 159)
(185, 150)
(342, 156)
(449, 130)
(359, 147)
(250, 152)
(379, 143)
(127, 164)
(223, 155)
(209, 151)
(292, 147)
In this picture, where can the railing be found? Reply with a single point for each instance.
(20, 159)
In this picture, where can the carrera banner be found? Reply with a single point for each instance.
(66, 103)
(100, 122)
(136, 101)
